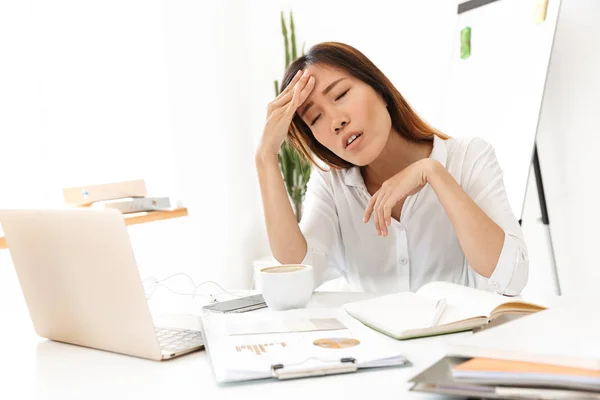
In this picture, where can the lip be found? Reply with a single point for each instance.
(348, 136)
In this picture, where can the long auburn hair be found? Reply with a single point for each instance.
(342, 56)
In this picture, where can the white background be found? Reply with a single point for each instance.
(175, 93)
(497, 92)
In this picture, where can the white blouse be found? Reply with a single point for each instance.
(422, 247)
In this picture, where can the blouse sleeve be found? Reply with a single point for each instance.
(485, 185)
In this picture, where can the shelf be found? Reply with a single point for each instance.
(149, 216)
(138, 218)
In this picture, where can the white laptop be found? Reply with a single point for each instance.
(81, 284)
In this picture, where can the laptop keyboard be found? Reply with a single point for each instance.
(178, 339)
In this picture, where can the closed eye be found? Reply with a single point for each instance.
(342, 95)
(336, 99)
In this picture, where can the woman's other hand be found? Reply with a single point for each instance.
(405, 183)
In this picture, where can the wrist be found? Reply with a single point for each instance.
(263, 158)
(433, 169)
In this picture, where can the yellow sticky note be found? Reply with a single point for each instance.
(540, 11)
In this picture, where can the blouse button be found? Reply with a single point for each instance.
(403, 261)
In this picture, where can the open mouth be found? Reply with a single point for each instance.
(352, 139)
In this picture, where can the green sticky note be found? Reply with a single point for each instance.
(465, 43)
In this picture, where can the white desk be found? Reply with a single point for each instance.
(34, 368)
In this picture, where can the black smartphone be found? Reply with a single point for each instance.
(240, 305)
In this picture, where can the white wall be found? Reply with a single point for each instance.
(98, 92)
(496, 93)
(84, 97)
(175, 92)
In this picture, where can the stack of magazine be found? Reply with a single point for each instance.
(506, 379)
(553, 354)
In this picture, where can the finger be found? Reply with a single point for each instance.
(369, 209)
(291, 107)
(388, 220)
(293, 82)
(377, 215)
(286, 95)
(280, 101)
(383, 213)
(276, 114)
(381, 217)
(387, 214)
(310, 85)
(295, 102)
(300, 86)
(392, 202)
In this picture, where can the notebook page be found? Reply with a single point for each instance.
(462, 300)
(394, 313)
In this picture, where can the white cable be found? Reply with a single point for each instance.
(149, 293)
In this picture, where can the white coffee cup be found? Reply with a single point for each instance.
(287, 286)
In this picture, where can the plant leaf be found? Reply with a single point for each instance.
(293, 36)
(285, 41)
(287, 166)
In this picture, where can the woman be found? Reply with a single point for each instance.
(399, 204)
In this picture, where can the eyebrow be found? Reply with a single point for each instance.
(325, 91)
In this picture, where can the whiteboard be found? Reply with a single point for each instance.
(496, 93)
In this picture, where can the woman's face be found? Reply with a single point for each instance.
(346, 115)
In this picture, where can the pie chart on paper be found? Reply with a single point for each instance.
(336, 343)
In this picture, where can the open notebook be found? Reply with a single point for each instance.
(408, 315)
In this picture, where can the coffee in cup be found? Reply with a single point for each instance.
(287, 286)
(283, 268)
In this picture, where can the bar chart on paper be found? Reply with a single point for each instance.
(259, 349)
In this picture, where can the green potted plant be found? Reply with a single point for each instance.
(294, 166)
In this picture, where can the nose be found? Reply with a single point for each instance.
(337, 124)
